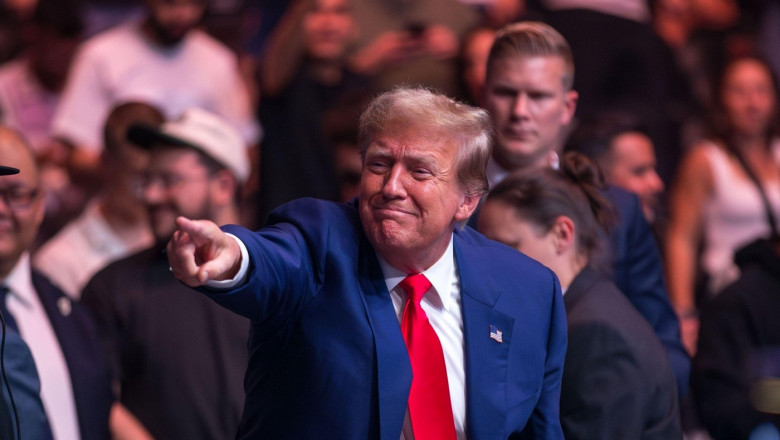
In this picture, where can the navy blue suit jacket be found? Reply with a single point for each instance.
(639, 274)
(327, 357)
(89, 372)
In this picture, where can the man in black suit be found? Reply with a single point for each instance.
(74, 378)
(528, 92)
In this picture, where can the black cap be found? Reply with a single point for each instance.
(5, 171)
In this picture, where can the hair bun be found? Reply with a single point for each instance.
(581, 170)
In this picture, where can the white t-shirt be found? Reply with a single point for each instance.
(122, 65)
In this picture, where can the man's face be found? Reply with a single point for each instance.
(328, 26)
(410, 197)
(173, 19)
(529, 106)
(177, 184)
(21, 206)
(632, 166)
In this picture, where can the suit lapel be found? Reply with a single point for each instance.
(485, 357)
(394, 372)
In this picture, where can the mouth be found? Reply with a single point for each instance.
(518, 134)
(390, 211)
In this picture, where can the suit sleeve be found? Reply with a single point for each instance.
(638, 273)
(286, 265)
(545, 419)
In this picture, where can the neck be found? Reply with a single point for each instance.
(227, 215)
(327, 72)
(568, 269)
(533, 162)
(750, 142)
(7, 265)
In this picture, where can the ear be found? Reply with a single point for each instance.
(570, 106)
(467, 207)
(223, 188)
(563, 232)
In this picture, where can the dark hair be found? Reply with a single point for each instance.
(594, 135)
(121, 118)
(719, 125)
(62, 16)
(541, 196)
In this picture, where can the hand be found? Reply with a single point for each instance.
(440, 43)
(199, 251)
(689, 332)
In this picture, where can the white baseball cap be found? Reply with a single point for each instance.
(202, 130)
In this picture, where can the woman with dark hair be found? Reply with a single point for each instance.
(727, 192)
(617, 382)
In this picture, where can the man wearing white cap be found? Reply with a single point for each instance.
(179, 358)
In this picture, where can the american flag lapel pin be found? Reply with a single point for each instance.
(496, 334)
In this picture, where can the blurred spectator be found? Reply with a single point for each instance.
(737, 363)
(75, 379)
(114, 224)
(304, 76)
(617, 381)
(163, 60)
(626, 155)
(30, 88)
(179, 358)
(474, 57)
(30, 85)
(411, 42)
(714, 202)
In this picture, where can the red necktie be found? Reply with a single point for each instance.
(430, 408)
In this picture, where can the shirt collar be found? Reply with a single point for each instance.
(19, 281)
(440, 274)
(495, 172)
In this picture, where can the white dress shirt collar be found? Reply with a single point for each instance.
(19, 282)
(439, 274)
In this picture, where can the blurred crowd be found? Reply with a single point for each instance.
(124, 114)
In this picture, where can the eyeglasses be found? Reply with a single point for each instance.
(19, 197)
(165, 180)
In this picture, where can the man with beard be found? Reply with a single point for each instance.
(163, 60)
(178, 358)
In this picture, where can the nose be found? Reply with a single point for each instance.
(656, 183)
(393, 185)
(153, 191)
(520, 106)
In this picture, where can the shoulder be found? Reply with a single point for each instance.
(119, 272)
(211, 47)
(110, 40)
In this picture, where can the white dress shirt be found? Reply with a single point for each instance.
(443, 308)
(36, 330)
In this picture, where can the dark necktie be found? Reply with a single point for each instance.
(430, 408)
(10, 322)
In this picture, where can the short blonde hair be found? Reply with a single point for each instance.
(469, 126)
(533, 39)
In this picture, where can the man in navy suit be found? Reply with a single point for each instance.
(528, 92)
(75, 384)
(326, 286)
